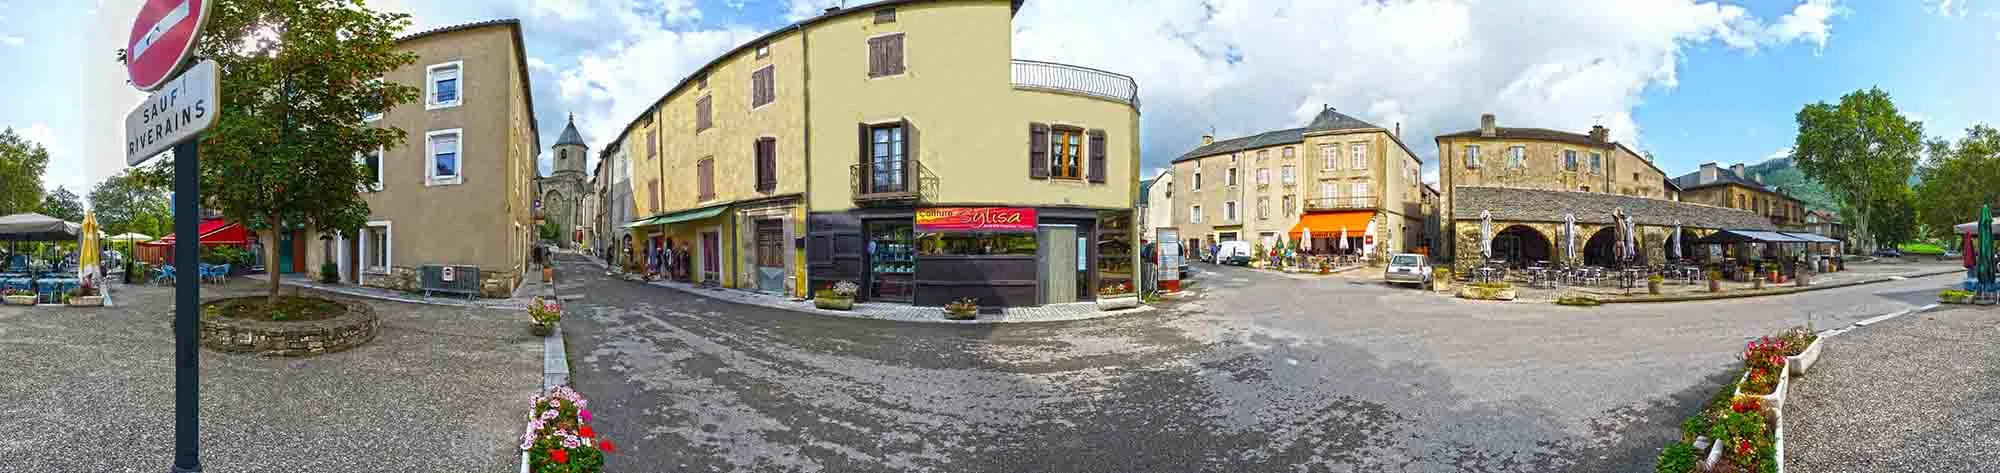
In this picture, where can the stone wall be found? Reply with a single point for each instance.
(303, 338)
(1653, 240)
(498, 284)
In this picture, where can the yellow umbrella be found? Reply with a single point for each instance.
(86, 261)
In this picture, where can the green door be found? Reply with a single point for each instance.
(285, 253)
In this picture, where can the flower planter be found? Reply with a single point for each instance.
(1110, 303)
(1776, 399)
(960, 314)
(86, 301)
(1653, 287)
(20, 300)
(548, 273)
(1486, 293)
(834, 303)
(1798, 364)
(542, 330)
(1714, 285)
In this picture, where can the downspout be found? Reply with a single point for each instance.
(803, 284)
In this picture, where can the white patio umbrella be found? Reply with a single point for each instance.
(1343, 238)
(1676, 249)
(1569, 238)
(1631, 239)
(1486, 233)
(1306, 241)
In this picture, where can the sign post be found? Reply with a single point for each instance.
(162, 41)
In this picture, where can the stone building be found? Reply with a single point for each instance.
(1527, 225)
(564, 193)
(1537, 158)
(1734, 188)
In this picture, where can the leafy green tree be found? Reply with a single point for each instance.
(1894, 218)
(297, 76)
(1861, 149)
(62, 204)
(549, 231)
(1956, 179)
(128, 202)
(21, 166)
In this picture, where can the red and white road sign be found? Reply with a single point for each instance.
(163, 37)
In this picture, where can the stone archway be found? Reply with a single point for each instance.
(1520, 244)
(1602, 248)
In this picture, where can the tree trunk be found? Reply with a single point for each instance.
(271, 263)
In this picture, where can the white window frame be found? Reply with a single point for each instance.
(1517, 156)
(373, 117)
(1328, 190)
(1360, 189)
(1570, 161)
(1230, 211)
(1359, 153)
(381, 162)
(430, 158)
(1263, 208)
(1289, 174)
(431, 80)
(1194, 213)
(1596, 163)
(1471, 156)
(1330, 157)
(1195, 185)
(1263, 176)
(1229, 177)
(388, 247)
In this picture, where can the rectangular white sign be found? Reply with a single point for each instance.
(176, 113)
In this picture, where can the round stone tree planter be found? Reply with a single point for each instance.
(289, 338)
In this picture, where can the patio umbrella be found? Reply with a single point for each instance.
(86, 259)
(1486, 234)
(1985, 247)
(1343, 238)
(1306, 242)
(1569, 238)
(36, 227)
(1631, 239)
(1676, 249)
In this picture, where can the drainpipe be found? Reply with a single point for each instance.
(804, 283)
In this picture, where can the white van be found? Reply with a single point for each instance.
(1233, 252)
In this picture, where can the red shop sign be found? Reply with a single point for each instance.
(976, 219)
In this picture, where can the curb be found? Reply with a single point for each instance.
(407, 300)
(1767, 292)
(555, 366)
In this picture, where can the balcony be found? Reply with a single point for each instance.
(920, 187)
(1360, 202)
(1068, 79)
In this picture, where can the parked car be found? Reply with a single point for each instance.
(1233, 252)
(1889, 253)
(1408, 268)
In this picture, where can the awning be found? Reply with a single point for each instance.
(681, 216)
(1972, 228)
(1328, 224)
(1747, 236)
(1810, 237)
(213, 232)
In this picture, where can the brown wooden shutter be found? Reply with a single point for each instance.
(767, 164)
(861, 176)
(910, 162)
(1097, 165)
(1038, 151)
(876, 48)
(895, 65)
(705, 174)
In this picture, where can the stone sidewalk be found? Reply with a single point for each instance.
(523, 295)
(1910, 394)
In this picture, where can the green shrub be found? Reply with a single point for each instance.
(329, 273)
(219, 254)
(1579, 301)
(1492, 285)
(1678, 457)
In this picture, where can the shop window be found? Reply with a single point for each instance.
(1114, 253)
(892, 261)
(977, 244)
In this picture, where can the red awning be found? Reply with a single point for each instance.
(213, 232)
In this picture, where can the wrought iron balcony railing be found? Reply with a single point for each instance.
(1358, 202)
(911, 188)
(1075, 79)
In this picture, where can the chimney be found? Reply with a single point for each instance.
(1759, 178)
(1738, 169)
(1600, 134)
(1399, 130)
(1708, 173)
(1486, 127)
(1207, 140)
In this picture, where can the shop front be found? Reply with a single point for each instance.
(1001, 256)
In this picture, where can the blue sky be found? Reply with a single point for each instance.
(1692, 81)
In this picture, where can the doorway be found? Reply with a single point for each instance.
(711, 258)
(770, 241)
(285, 261)
(1057, 251)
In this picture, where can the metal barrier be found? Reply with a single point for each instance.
(1075, 79)
(463, 280)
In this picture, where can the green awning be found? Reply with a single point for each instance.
(681, 216)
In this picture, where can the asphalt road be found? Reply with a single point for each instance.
(1251, 372)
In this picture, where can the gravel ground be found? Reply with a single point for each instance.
(439, 389)
(1919, 393)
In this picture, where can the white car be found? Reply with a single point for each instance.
(1233, 253)
(1408, 268)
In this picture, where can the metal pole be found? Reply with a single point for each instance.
(187, 307)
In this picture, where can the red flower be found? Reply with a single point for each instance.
(585, 432)
(605, 445)
(559, 455)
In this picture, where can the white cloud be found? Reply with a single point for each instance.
(1784, 152)
(1242, 67)
(11, 40)
(1945, 7)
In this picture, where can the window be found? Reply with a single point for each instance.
(1328, 190)
(1472, 156)
(1229, 211)
(371, 170)
(1229, 177)
(701, 82)
(1359, 153)
(653, 189)
(703, 118)
(375, 115)
(1517, 157)
(443, 85)
(1330, 154)
(1196, 184)
(1263, 176)
(1569, 159)
(1263, 154)
(1290, 206)
(885, 55)
(763, 51)
(1360, 190)
(1596, 163)
(1288, 152)
(1263, 208)
(885, 15)
(1194, 213)
(767, 164)
(1635, 177)
(652, 144)
(1290, 175)
(762, 88)
(377, 254)
(1583, 188)
(885, 159)
(443, 162)
(704, 176)
(1066, 154)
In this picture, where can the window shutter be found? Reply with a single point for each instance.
(861, 174)
(1097, 165)
(767, 164)
(910, 161)
(896, 58)
(876, 48)
(1038, 151)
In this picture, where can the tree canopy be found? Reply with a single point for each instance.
(1957, 178)
(130, 202)
(1862, 149)
(21, 165)
(63, 204)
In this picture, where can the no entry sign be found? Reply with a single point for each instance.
(163, 36)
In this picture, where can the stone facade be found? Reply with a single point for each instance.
(1653, 240)
(304, 338)
(493, 283)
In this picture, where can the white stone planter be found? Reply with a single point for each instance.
(86, 301)
(1109, 303)
(1798, 364)
(1774, 401)
(20, 300)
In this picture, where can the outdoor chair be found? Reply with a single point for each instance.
(164, 275)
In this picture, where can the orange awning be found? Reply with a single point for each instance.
(1328, 224)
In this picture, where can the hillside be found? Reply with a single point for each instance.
(1780, 172)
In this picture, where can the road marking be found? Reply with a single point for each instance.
(1897, 278)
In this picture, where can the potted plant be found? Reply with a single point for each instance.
(1116, 296)
(1325, 265)
(1801, 349)
(1442, 278)
(1487, 291)
(1955, 296)
(85, 294)
(20, 297)
(1764, 376)
(1714, 280)
(1653, 284)
(559, 437)
(548, 272)
(962, 309)
(1757, 282)
(836, 296)
(544, 314)
(329, 273)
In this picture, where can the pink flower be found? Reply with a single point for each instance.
(583, 414)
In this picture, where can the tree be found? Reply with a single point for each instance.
(1861, 149)
(62, 204)
(21, 166)
(1894, 218)
(297, 76)
(549, 231)
(1956, 179)
(129, 202)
